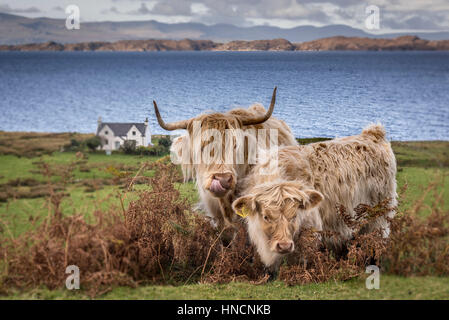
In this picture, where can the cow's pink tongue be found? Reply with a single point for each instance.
(215, 186)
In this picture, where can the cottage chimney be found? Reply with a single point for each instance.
(146, 122)
(99, 121)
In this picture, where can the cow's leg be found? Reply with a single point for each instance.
(226, 208)
(273, 271)
(228, 228)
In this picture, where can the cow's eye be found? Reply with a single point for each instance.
(266, 218)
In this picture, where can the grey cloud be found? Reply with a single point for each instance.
(7, 9)
(142, 10)
(58, 8)
(242, 12)
(111, 10)
(172, 8)
(237, 12)
(419, 20)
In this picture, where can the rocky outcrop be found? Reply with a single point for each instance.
(257, 45)
(123, 45)
(327, 44)
(47, 46)
(371, 44)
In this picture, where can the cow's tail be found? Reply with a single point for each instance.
(375, 130)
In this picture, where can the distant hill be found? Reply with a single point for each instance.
(20, 30)
(326, 44)
(368, 44)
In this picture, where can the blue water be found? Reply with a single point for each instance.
(319, 93)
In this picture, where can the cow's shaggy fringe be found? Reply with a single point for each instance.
(158, 239)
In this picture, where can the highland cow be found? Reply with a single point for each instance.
(307, 187)
(219, 181)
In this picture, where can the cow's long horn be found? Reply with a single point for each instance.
(168, 126)
(266, 116)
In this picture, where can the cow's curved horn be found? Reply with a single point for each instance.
(169, 126)
(266, 116)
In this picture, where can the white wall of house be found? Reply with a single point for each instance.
(113, 142)
(147, 135)
(134, 134)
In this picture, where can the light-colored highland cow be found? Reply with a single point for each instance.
(218, 182)
(307, 185)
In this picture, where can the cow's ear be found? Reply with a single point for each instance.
(243, 206)
(314, 198)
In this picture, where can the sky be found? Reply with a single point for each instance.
(395, 15)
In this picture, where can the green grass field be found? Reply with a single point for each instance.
(419, 163)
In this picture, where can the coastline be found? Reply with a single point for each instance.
(339, 43)
(31, 144)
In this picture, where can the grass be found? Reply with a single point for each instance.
(416, 180)
(13, 167)
(419, 163)
(422, 154)
(391, 287)
(31, 144)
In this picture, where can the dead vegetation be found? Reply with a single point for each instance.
(60, 175)
(159, 239)
(31, 144)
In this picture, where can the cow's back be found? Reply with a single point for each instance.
(351, 171)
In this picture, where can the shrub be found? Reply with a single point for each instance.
(129, 146)
(143, 151)
(165, 142)
(93, 143)
(158, 151)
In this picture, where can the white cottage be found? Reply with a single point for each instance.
(114, 134)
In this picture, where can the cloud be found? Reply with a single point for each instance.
(231, 11)
(172, 8)
(164, 8)
(112, 9)
(395, 14)
(7, 9)
(418, 20)
(59, 9)
(142, 10)
(282, 10)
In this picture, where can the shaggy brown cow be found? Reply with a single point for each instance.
(308, 183)
(219, 181)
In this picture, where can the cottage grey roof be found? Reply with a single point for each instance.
(122, 129)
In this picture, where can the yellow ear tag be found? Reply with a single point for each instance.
(244, 213)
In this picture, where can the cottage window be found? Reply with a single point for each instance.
(106, 132)
(134, 133)
(106, 141)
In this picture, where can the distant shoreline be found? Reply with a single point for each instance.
(339, 43)
(29, 135)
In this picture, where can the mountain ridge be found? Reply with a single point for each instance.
(21, 30)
